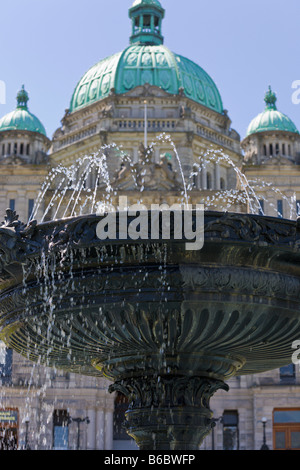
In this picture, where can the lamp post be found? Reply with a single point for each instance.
(146, 125)
(78, 421)
(26, 422)
(264, 446)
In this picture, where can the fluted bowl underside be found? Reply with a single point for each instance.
(120, 307)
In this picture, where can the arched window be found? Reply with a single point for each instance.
(195, 177)
(288, 374)
(147, 23)
(21, 149)
(280, 209)
(283, 149)
(121, 406)
(5, 363)
(194, 180)
(3, 149)
(289, 150)
(230, 430)
(286, 424)
(9, 149)
(271, 149)
(277, 149)
(222, 183)
(265, 150)
(15, 148)
(61, 423)
(136, 24)
(208, 181)
(261, 207)
(28, 149)
(30, 207)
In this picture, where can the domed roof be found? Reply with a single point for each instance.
(271, 119)
(21, 118)
(140, 64)
(146, 60)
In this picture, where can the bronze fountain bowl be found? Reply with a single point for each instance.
(165, 325)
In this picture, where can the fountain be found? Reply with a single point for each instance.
(167, 326)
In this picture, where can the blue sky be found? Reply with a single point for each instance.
(244, 45)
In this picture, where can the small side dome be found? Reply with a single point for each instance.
(271, 119)
(21, 118)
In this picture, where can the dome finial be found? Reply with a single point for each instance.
(270, 99)
(22, 98)
(146, 17)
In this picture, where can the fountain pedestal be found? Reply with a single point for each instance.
(169, 407)
(169, 412)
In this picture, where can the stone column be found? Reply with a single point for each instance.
(135, 154)
(156, 154)
(109, 418)
(204, 178)
(3, 205)
(198, 179)
(152, 23)
(91, 430)
(21, 205)
(100, 430)
(91, 179)
(217, 176)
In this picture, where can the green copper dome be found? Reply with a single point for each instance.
(146, 60)
(271, 119)
(140, 64)
(21, 118)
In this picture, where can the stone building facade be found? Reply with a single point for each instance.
(147, 95)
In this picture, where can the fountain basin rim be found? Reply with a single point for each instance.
(267, 238)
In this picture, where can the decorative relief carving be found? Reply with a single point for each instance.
(147, 59)
(168, 391)
(169, 411)
(18, 240)
(244, 280)
(132, 59)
